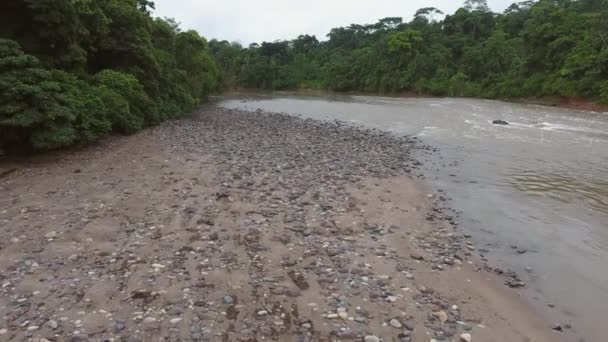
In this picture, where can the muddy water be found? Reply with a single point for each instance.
(533, 193)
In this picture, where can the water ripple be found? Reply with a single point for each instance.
(591, 192)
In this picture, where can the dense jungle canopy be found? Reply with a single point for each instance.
(534, 48)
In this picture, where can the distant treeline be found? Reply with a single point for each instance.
(533, 49)
(72, 71)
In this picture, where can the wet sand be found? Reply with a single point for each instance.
(237, 226)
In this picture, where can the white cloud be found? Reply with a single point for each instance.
(250, 21)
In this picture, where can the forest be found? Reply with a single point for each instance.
(533, 49)
(72, 71)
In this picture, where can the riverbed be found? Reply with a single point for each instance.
(533, 194)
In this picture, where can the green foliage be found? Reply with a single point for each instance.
(73, 71)
(534, 48)
(127, 97)
(604, 92)
(42, 108)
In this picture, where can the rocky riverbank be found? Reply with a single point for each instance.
(238, 226)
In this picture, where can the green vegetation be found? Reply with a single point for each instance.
(72, 71)
(535, 48)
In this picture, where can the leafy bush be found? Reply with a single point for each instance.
(119, 89)
(44, 109)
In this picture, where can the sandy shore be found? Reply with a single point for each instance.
(234, 226)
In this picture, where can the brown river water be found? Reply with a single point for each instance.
(534, 194)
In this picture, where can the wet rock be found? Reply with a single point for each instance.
(500, 122)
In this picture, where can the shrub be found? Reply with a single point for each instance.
(44, 109)
(33, 113)
(141, 110)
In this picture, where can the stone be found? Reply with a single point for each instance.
(51, 235)
(175, 320)
(262, 313)
(371, 338)
(228, 300)
(441, 315)
(416, 257)
(149, 320)
(52, 324)
(119, 326)
(500, 122)
(3, 331)
(465, 337)
(395, 323)
(150, 323)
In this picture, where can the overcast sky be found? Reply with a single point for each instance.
(248, 21)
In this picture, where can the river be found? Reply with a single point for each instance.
(533, 193)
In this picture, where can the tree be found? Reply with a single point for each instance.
(71, 71)
(534, 48)
(476, 5)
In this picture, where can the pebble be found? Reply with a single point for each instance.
(395, 323)
(371, 338)
(149, 320)
(465, 337)
(51, 235)
(52, 324)
(262, 313)
(228, 300)
(3, 331)
(119, 326)
(443, 317)
(176, 320)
